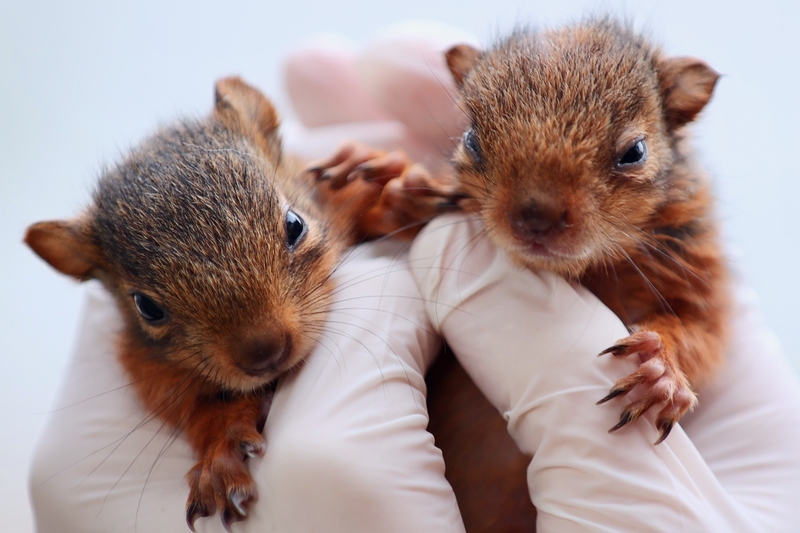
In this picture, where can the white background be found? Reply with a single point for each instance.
(82, 80)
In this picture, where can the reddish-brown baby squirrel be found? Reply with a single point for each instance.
(578, 162)
(218, 250)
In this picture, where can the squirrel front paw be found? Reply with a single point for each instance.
(658, 375)
(221, 479)
(354, 160)
(384, 192)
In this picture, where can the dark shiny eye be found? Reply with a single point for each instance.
(634, 155)
(295, 229)
(149, 310)
(470, 141)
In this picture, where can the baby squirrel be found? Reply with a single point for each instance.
(218, 251)
(578, 162)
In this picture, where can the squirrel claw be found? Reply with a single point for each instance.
(664, 426)
(340, 167)
(236, 499)
(658, 377)
(382, 193)
(617, 349)
(625, 418)
(226, 520)
(235, 510)
(195, 510)
(220, 481)
(645, 343)
(613, 394)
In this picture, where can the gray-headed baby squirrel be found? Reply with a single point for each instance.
(219, 250)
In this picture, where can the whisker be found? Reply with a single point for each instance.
(662, 301)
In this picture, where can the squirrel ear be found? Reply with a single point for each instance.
(242, 107)
(66, 245)
(686, 87)
(461, 59)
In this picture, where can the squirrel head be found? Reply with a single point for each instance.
(573, 138)
(215, 266)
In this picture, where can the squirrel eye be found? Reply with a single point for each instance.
(149, 310)
(634, 155)
(295, 229)
(470, 141)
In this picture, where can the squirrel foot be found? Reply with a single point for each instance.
(221, 479)
(663, 381)
(354, 160)
(386, 192)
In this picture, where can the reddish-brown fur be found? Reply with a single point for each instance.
(553, 117)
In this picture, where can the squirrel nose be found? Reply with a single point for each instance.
(258, 356)
(536, 222)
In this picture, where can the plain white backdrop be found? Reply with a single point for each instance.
(81, 81)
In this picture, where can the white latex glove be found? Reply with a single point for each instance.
(530, 342)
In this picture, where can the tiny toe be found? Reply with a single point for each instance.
(356, 174)
(384, 168)
(344, 151)
(629, 382)
(251, 449)
(679, 404)
(340, 175)
(645, 343)
(318, 170)
(633, 412)
(332, 175)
